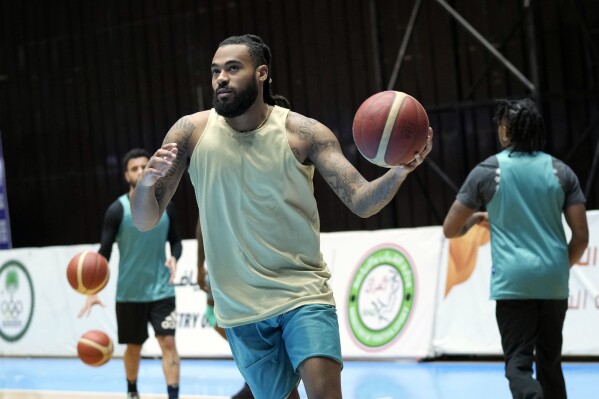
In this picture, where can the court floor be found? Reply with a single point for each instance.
(54, 378)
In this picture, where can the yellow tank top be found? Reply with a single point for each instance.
(259, 221)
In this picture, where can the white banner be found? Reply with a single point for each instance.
(582, 318)
(39, 307)
(194, 337)
(465, 322)
(384, 283)
(390, 274)
(399, 293)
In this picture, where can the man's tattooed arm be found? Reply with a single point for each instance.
(161, 176)
(179, 134)
(322, 148)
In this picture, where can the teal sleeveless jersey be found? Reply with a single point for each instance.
(528, 244)
(143, 276)
(259, 220)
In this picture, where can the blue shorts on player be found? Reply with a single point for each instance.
(268, 353)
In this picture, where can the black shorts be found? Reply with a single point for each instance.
(132, 319)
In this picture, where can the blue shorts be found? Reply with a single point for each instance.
(268, 353)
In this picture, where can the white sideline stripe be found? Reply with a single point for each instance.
(379, 159)
(22, 394)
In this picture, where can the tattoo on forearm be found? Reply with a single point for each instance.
(378, 198)
(180, 133)
(343, 180)
(322, 147)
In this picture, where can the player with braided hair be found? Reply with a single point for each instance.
(524, 124)
(252, 161)
(525, 192)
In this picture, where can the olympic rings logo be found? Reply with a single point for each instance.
(17, 301)
(11, 309)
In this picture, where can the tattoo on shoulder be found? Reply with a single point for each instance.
(311, 134)
(302, 127)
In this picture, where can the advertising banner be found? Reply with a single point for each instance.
(40, 309)
(400, 293)
(385, 283)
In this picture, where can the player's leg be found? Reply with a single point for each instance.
(311, 335)
(164, 321)
(518, 326)
(132, 326)
(549, 348)
(321, 377)
(131, 359)
(170, 359)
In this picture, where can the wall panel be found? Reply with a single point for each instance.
(83, 82)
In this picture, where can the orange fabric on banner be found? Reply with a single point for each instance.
(463, 253)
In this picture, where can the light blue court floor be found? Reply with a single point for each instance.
(40, 378)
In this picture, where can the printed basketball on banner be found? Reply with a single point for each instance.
(381, 296)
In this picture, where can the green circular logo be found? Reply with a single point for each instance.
(16, 301)
(381, 296)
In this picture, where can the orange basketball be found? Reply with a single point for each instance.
(390, 128)
(88, 272)
(94, 348)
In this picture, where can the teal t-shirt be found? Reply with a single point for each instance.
(143, 276)
(528, 244)
(525, 195)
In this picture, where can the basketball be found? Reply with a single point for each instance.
(94, 348)
(88, 272)
(390, 128)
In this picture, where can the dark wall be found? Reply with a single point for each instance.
(82, 82)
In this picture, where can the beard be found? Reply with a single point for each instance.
(240, 102)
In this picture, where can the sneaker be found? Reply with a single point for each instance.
(132, 395)
(245, 393)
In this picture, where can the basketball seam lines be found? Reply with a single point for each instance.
(104, 349)
(389, 124)
(80, 286)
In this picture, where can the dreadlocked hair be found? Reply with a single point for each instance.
(260, 55)
(525, 125)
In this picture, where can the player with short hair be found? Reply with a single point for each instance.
(144, 291)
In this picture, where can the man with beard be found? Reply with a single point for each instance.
(252, 162)
(144, 291)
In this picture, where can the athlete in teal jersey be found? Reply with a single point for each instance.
(144, 287)
(526, 192)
